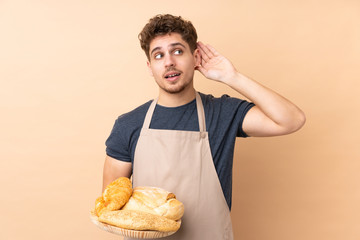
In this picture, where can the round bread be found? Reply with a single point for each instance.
(156, 201)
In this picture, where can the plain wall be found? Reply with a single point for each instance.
(69, 68)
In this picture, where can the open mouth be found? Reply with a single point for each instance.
(172, 75)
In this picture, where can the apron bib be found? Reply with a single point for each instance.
(181, 162)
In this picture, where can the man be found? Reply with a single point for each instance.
(183, 141)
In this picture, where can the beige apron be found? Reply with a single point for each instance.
(181, 162)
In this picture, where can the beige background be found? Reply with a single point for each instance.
(69, 68)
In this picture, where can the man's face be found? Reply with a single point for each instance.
(171, 63)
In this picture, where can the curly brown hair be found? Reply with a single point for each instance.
(163, 24)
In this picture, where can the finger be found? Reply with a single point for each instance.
(203, 57)
(208, 50)
(204, 51)
(213, 50)
(201, 53)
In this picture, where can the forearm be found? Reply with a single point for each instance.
(114, 169)
(278, 109)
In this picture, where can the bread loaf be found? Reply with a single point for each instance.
(115, 196)
(155, 201)
(137, 220)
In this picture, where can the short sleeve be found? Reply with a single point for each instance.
(243, 109)
(117, 144)
(232, 114)
(124, 135)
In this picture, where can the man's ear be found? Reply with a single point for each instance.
(149, 68)
(197, 57)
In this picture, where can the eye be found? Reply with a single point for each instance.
(158, 55)
(178, 52)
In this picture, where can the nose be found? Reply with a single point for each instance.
(169, 61)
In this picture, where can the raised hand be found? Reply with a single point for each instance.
(272, 114)
(213, 65)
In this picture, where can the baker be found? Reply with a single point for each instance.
(183, 141)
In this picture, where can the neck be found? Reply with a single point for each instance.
(176, 99)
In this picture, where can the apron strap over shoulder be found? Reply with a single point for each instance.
(149, 114)
(201, 113)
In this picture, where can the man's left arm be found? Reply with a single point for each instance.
(272, 114)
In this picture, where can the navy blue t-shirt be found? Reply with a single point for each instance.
(223, 116)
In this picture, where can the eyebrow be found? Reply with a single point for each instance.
(172, 45)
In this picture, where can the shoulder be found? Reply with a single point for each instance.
(128, 123)
(224, 102)
(225, 113)
(125, 132)
(134, 118)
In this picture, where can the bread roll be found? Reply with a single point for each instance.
(137, 220)
(155, 201)
(115, 195)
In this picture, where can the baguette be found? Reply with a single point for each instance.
(138, 220)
